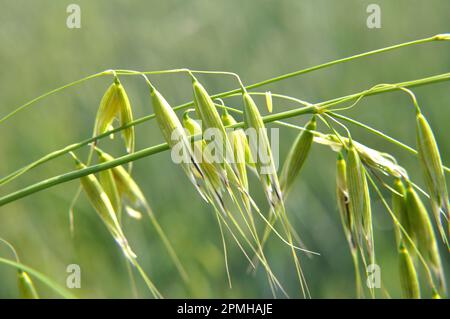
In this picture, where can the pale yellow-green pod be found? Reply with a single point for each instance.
(126, 117)
(408, 275)
(423, 233)
(27, 289)
(431, 163)
(102, 205)
(297, 156)
(107, 181)
(265, 167)
(399, 209)
(359, 199)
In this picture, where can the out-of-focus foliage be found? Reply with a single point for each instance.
(258, 40)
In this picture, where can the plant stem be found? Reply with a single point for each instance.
(252, 86)
(41, 97)
(321, 107)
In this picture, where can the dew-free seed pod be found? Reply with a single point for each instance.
(423, 233)
(119, 186)
(242, 156)
(262, 154)
(175, 135)
(297, 156)
(431, 163)
(126, 117)
(115, 104)
(346, 218)
(107, 181)
(240, 147)
(343, 200)
(26, 286)
(269, 102)
(399, 209)
(239, 133)
(209, 168)
(408, 275)
(207, 112)
(359, 199)
(135, 200)
(102, 205)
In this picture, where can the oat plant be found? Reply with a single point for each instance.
(362, 175)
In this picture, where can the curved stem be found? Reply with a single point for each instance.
(11, 247)
(437, 37)
(41, 277)
(22, 107)
(322, 107)
(162, 147)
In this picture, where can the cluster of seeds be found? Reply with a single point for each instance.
(224, 184)
(220, 169)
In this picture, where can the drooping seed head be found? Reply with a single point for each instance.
(269, 102)
(115, 104)
(125, 184)
(170, 127)
(228, 120)
(126, 117)
(26, 286)
(297, 156)
(265, 166)
(359, 198)
(423, 233)
(343, 201)
(102, 205)
(399, 209)
(408, 275)
(107, 181)
(431, 164)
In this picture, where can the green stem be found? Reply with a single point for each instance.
(252, 86)
(41, 277)
(41, 97)
(321, 107)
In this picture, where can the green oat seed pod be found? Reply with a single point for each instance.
(297, 156)
(399, 209)
(27, 289)
(431, 163)
(265, 166)
(423, 233)
(115, 104)
(408, 275)
(359, 199)
(102, 205)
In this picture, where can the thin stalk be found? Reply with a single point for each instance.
(41, 97)
(323, 106)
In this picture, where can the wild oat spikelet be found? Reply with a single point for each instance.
(359, 199)
(408, 275)
(102, 205)
(174, 133)
(297, 156)
(399, 209)
(26, 286)
(431, 163)
(423, 233)
(115, 104)
(262, 153)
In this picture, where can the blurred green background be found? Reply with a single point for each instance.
(258, 40)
